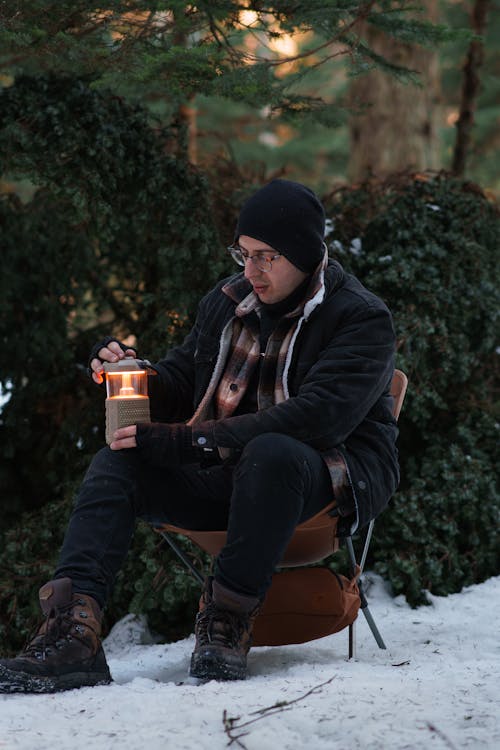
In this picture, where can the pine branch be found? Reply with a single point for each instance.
(339, 36)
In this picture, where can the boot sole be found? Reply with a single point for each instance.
(209, 666)
(12, 681)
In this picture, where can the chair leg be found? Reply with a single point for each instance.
(352, 640)
(373, 627)
(364, 602)
(185, 559)
(369, 617)
(368, 539)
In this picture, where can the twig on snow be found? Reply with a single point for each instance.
(231, 722)
(441, 734)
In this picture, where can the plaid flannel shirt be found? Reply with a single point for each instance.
(239, 354)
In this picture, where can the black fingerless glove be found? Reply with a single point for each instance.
(94, 354)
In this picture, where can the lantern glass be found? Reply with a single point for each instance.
(127, 399)
(127, 384)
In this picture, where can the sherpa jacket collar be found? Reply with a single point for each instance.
(247, 301)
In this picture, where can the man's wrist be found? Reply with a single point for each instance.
(203, 438)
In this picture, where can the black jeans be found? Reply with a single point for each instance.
(277, 483)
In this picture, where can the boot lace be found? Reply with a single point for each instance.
(59, 629)
(220, 626)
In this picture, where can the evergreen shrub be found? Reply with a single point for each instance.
(428, 245)
(117, 237)
(152, 581)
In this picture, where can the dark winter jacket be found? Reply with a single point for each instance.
(338, 384)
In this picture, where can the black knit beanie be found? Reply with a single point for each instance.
(290, 218)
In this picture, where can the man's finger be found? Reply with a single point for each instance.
(96, 365)
(97, 371)
(124, 437)
(109, 355)
(113, 352)
(125, 432)
(118, 445)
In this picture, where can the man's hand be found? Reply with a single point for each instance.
(109, 351)
(124, 438)
(161, 444)
(158, 443)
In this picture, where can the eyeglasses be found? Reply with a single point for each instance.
(262, 262)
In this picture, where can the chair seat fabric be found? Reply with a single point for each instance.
(313, 539)
(305, 604)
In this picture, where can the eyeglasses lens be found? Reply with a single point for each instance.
(260, 261)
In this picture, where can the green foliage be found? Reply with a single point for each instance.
(151, 50)
(118, 238)
(152, 581)
(40, 300)
(428, 247)
(416, 30)
(441, 533)
(482, 160)
(27, 556)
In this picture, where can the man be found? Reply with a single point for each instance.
(277, 400)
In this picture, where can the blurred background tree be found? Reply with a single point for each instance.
(301, 88)
(373, 123)
(131, 133)
(395, 127)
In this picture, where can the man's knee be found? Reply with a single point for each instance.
(111, 463)
(274, 451)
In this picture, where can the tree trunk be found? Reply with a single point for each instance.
(471, 87)
(187, 123)
(186, 120)
(398, 128)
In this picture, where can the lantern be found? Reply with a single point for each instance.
(127, 399)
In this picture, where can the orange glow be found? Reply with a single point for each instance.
(285, 46)
(126, 384)
(132, 23)
(248, 17)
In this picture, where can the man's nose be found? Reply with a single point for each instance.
(251, 270)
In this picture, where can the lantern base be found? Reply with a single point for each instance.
(122, 412)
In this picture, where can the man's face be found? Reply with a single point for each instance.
(274, 285)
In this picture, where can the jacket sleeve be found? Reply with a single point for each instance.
(171, 389)
(353, 370)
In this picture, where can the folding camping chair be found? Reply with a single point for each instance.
(313, 541)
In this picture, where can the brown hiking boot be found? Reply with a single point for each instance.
(223, 633)
(65, 652)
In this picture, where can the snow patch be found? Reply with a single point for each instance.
(436, 686)
(356, 247)
(4, 396)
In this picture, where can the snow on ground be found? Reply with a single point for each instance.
(436, 686)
